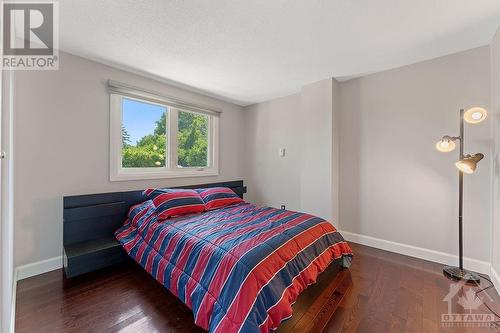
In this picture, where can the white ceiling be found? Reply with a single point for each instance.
(248, 51)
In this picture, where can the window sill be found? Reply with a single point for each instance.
(143, 175)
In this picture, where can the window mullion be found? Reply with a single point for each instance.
(214, 143)
(210, 152)
(172, 138)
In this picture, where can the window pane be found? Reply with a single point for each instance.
(192, 138)
(143, 134)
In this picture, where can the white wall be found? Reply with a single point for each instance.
(495, 115)
(394, 185)
(303, 180)
(62, 146)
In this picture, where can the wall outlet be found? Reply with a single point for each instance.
(283, 207)
(282, 152)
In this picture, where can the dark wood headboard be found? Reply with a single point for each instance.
(90, 220)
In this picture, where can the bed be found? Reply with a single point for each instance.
(240, 268)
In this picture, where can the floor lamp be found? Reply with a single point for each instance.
(466, 164)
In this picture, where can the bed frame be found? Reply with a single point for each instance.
(89, 245)
(90, 221)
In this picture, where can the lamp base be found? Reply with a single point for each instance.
(457, 274)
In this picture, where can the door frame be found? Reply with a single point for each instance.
(7, 272)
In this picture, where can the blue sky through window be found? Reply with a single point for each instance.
(140, 118)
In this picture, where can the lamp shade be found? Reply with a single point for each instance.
(445, 145)
(475, 115)
(469, 163)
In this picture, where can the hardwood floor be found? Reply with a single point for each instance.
(390, 293)
(396, 293)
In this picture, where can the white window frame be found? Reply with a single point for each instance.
(171, 170)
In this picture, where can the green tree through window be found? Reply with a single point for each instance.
(192, 139)
(151, 151)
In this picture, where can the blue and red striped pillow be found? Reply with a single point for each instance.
(217, 197)
(171, 203)
(139, 213)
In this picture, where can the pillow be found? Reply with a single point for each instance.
(137, 214)
(170, 203)
(217, 197)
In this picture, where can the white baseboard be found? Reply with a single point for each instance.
(495, 278)
(44, 266)
(417, 252)
(26, 271)
(39, 267)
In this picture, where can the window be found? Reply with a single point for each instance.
(144, 135)
(192, 140)
(160, 138)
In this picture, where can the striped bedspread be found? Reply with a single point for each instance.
(239, 268)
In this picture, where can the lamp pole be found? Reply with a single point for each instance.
(461, 196)
(459, 273)
(466, 164)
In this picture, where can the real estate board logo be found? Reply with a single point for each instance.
(469, 313)
(30, 37)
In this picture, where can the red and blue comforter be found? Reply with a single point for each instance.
(239, 268)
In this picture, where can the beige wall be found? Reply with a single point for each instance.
(495, 108)
(62, 146)
(335, 168)
(394, 185)
(302, 180)
(316, 138)
(273, 180)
